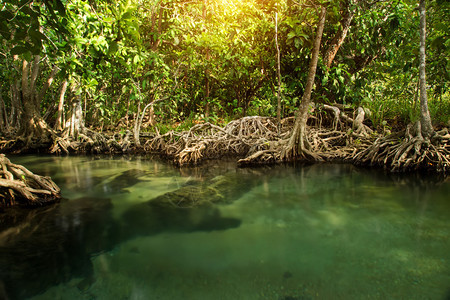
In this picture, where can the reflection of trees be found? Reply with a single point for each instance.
(347, 185)
(44, 247)
(52, 245)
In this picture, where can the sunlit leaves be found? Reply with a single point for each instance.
(223, 51)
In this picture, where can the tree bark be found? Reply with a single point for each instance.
(339, 37)
(32, 125)
(46, 86)
(25, 88)
(16, 109)
(298, 144)
(76, 122)
(425, 119)
(207, 56)
(159, 29)
(62, 92)
(3, 117)
(278, 72)
(28, 125)
(34, 74)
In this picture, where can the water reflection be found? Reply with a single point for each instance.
(44, 247)
(299, 232)
(52, 245)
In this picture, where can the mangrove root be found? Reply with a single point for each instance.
(409, 150)
(210, 141)
(259, 140)
(19, 186)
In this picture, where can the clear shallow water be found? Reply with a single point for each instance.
(305, 232)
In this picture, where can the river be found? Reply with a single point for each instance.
(322, 231)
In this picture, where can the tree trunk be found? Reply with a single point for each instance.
(3, 120)
(207, 84)
(278, 73)
(76, 122)
(32, 124)
(46, 86)
(34, 75)
(16, 107)
(298, 144)
(59, 117)
(207, 88)
(339, 37)
(425, 119)
(159, 29)
(29, 125)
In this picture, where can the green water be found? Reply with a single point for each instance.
(324, 231)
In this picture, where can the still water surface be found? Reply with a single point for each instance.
(324, 231)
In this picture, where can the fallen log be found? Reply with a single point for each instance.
(19, 186)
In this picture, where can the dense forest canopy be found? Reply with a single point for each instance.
(103, 61)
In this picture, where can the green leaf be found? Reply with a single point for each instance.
(77, 62)
(136, 59)
(438, 43)
(27, 10)
(291, 35)
(92, 51)
(27, 55)
(113, 47)
(20, 33)
(18, 50)
(36, 35)
(127, 15)
(93, 82)
(36, 49)
(4, 31)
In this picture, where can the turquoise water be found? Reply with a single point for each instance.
(324, 231)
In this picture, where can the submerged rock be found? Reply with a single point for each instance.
(125, 180)
(148, 219)
(221, 189)
(51, 245)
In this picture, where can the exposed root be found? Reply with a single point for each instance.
(90, 141)
(258, 141)
(324, 145)
(347, 137)
(19, 186)
(31, 141)
(408, 151)
(261, 157)
(210, 141)
(357, 122)
(333, 134)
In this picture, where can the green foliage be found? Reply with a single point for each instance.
(22, 25)
(215, 60)
(440, 110)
